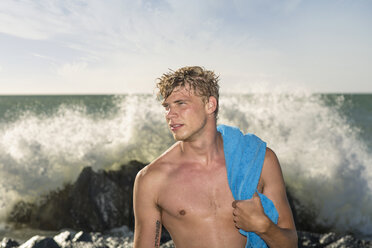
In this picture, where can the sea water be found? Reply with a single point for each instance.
(323, 141)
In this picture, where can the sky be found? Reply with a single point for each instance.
(123, 46)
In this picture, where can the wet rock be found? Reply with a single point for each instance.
(328, 238)
(122, 231)
(103, 200)
(97, 201)
(344, 242)
(169, 244)
(8, 243)
(82, 237)
(165, 236)
(64, 238)
(21, 213)
(307, 239)
(40, 242)
(122, 237)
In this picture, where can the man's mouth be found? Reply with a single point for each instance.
(174, 127)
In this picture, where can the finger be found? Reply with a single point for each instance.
(256, 197)
(235, 212)
(235, 219)
(237, 225)
(234, 203)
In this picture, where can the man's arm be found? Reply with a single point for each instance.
(147, 215)
(249, 214)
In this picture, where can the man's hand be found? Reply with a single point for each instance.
(249, 215)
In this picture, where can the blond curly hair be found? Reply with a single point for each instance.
(204, 83)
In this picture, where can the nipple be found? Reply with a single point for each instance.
(182, 212)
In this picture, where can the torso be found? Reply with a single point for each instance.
(195, 205)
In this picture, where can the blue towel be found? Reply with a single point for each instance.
(244, 156)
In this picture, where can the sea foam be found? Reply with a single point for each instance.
(325, 162)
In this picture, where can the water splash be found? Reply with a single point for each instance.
(42, 152)
(325, 162)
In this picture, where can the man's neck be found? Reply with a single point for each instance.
(204, 149)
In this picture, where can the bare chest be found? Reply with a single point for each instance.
(196, 195)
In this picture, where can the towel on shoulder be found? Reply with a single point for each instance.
(244, 156)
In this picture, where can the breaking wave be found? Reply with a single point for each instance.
(326, 164)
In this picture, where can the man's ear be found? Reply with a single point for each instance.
(211, 104)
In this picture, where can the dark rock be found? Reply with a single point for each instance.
(52, 212)
(328, 238)
(40, 242)
(169, 244)
(123, 238)
(64, 238)
(307, 239)
(344, 242)
(103, 200)
(21, 213)
(82, 237)
(165, 236)
(8, 243)
(305, 216)
(122, 231)
(97, 201)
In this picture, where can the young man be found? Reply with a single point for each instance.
(190, 189)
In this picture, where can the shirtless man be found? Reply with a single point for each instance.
(186, 188)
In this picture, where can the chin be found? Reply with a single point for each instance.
(179, 137)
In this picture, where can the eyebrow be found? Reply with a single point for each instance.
(176, 101)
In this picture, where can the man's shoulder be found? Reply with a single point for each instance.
(159, 167)
(271, 170)
(270, 158)
(270, 154)
(150, 180)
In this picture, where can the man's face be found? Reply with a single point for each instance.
(185, 113)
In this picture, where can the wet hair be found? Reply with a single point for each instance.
(204, 83)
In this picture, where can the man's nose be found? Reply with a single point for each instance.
(171, 112)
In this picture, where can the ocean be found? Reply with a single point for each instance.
(323, 142)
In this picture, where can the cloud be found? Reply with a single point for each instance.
(135, 40)
(36, 20)
(49, 59)
(72, 69)
(137, 27)
(134, 26)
